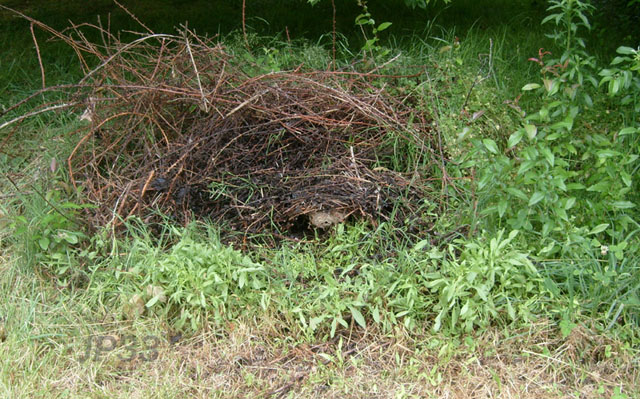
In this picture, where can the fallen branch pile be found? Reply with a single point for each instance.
(178, 124)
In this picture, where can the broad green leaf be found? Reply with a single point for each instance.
(549, 85)
(600, 187)
(575, 186)
(623, 204)
(531, 130)
(490, 145)
(570, 203)
(599, 228)
(535, 198)
(526, 165)
(607, 154)
(152, 301)
(358, 317)
(626, 178)
(548, 155)
(421, 244)
(375, 313)
(618, 60)
(566, 326)
(626, 50)
(627, 130)
(502, 207)
(530, 86)
(383, 26)
(515, 138)
(562, 214)
(517, 193)
(71, 238)
(44, 243)
(315, 321)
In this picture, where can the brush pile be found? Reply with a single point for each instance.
(179, 125)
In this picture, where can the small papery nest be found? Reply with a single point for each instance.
(177, 124)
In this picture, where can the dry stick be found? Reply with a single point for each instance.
(205, 103)
(132, 16)
(34, 113)
(445, 176)
(125, 47)
(37, 93)
(483, 78)
(333, 43)
(146, 184)
(116, 212)
(35, 42)
(74, 45)
(244, 26)
(85, 138)
(384, 65)
(244, 103)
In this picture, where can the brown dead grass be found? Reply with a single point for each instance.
(250, 362)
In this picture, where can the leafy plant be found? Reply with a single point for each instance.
(488, 280)
(53, 239)
(196, 278)
(371, 45)
(568, 186)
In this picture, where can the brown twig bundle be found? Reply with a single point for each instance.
(178, 124)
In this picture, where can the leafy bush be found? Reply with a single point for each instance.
(50, 233)
(195, 278)
(560, 176)
(484, 283)
(570, 187)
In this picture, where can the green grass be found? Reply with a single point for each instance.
(350, 313)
